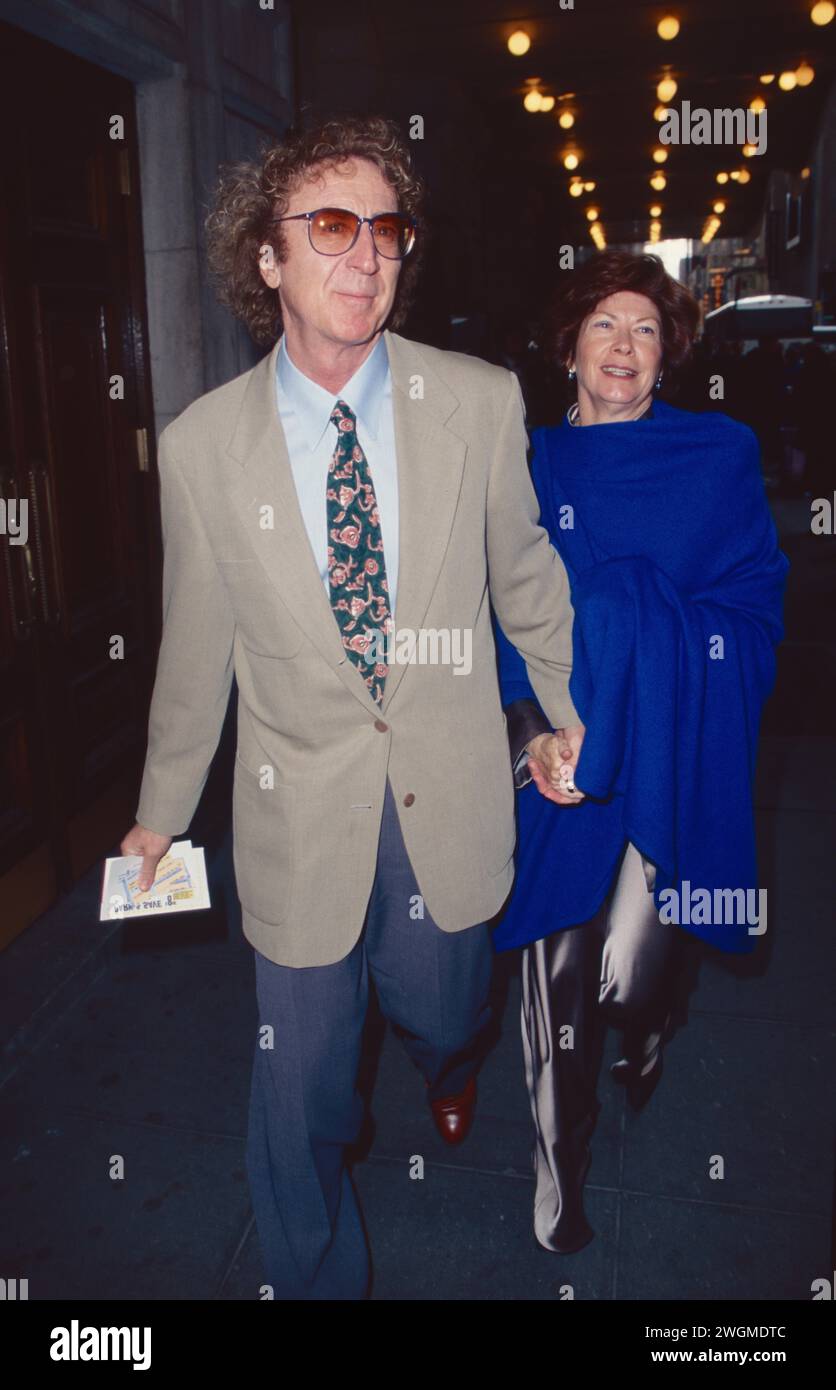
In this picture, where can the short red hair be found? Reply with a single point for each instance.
(609, 272)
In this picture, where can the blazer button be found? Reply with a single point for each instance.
(381, 726)
(409, 798)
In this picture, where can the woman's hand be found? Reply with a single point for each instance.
(552, 764)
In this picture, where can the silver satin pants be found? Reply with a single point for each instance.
(611, 969)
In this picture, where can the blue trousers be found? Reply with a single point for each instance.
(304, 1104)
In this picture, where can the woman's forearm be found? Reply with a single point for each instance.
(525, 721)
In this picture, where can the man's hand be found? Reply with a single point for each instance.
(552, 764)
(151, 846)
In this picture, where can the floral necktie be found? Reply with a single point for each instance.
(356, 567)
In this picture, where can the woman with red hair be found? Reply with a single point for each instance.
(660, 517)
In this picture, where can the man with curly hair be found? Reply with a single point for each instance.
(351, 471)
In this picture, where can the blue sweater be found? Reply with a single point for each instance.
(677, 585)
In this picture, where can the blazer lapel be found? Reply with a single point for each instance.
(430, 468)
(266, 480)
(430, 461)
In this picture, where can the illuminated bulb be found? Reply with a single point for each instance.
(823, 12)
(722, 178)
(660, 156)
(592, 214)
(547, 104)
(757, 104)
(668, 28)
(576, 188)
(767, 77)
(519, 43)
(787, 81)
(805, 173)
(804, 74)
(532, 101)
(655, 226)
(658, 182)
(590, 186)
(719, 206)
(571, 161)
(655, 210)
(661, 113)
(744, 176)
(735, 174)
(566, 120)
(749, 151)
(667, 89)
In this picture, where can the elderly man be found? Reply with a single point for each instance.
(349, 475)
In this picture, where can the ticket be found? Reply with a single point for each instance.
(180, 884)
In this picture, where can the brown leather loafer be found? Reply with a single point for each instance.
(453, 1115)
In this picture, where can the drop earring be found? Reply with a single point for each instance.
(658, 381)
(571, 374)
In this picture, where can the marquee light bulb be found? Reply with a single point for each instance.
(519, 43)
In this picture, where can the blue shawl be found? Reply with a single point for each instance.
(677, 585)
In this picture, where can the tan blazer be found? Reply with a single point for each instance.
(241, 597)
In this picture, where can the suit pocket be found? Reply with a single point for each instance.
(263, 829)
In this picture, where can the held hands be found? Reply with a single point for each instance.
(151, 846)
(552, 764)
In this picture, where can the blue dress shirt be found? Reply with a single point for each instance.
(305, 412)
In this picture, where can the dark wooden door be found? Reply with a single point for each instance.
(78, 599)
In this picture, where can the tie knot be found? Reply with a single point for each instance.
(343, 417)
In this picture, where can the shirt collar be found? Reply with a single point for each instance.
(313, 405)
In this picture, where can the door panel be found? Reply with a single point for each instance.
(79, 601)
